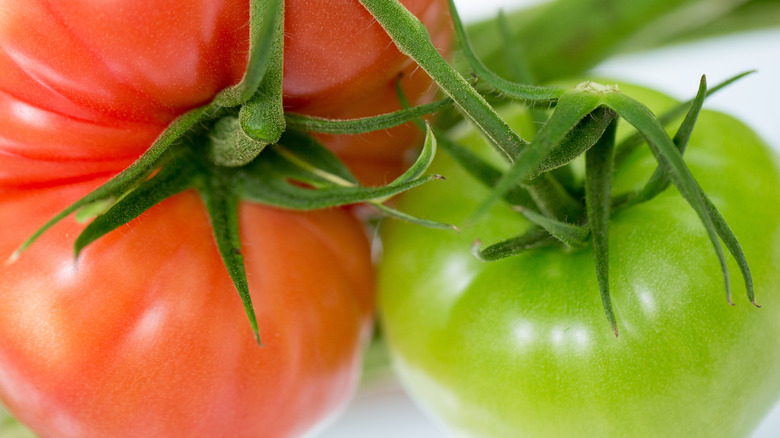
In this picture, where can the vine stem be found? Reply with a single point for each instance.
(412, 38)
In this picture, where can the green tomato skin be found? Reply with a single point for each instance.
(521, 347)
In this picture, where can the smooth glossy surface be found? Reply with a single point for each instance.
(521, 347)
(144, 334)
(339, 63)
(85, 88)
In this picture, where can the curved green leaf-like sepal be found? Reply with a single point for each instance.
(221, 196)
(396, 214)
(571, 235)
(170, 180)
(365, 124)
(732, 245)
(296, 175)
(136, 173)
(669, 157)
(271, 187)
(598, 189)
(534, 238)
(424, 159)
(659, 181)
(310, 161)
(572, 107)
(632, 142)
(581, 138)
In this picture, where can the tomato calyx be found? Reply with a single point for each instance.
(583, 121)
(239, 148)
(296, 173)
(575, 109)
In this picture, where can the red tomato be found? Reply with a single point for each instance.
(85, 88)
(91, 86)
(145, 336)
(354, 75)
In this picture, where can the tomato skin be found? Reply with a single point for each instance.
(131, 68)
(521, 347)
(354, 76)
(144, 334)
(90, 87)
(336, 52)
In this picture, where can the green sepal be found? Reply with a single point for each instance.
(659, 181)
(414, 172)
(572, 107)
(171, 179)
(669, 157)
(528, 93)
(93, 210)
(400, 215)
(552, 198)
(363, 124)
(581, 138)
(119, 185)
(311, 162)
(598, 189)
(732, 245)
(230, 146)
(571, 235)
(635, 140)
(424, 159)
(534, 238)
(276, 179)
(221, 194)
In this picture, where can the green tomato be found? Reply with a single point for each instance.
(521, 347)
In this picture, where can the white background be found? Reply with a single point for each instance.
(381, 410)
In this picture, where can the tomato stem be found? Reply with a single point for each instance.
(411, 38)
(265, 63)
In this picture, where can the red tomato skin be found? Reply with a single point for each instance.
(90, 87)
(355, 76)
(145, 336)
